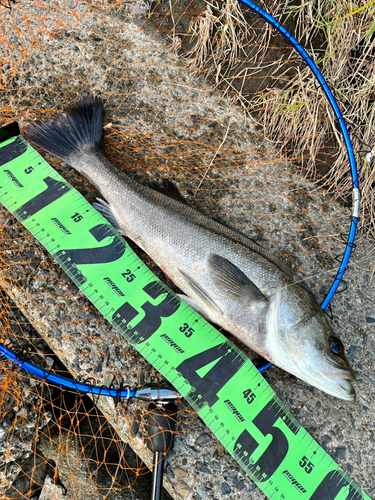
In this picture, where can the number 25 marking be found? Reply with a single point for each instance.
(128, 275)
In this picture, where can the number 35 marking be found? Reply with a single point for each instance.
(187, 330)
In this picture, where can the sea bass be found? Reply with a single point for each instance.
(229, 279)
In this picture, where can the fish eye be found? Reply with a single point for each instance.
(336, 346)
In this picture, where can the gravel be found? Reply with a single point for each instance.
(174, 129)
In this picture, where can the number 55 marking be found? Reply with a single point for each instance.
(306, 465)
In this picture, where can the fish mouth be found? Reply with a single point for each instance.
(338, 378)
(348, 390)
(340, 387)
(340, 367)
(331, 376)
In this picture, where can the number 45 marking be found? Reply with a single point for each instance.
(306, 465)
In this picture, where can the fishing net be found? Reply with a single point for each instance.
(186, 88)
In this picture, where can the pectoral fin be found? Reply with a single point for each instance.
(210, 310)
(230, 279)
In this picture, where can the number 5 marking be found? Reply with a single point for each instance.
(273, 456)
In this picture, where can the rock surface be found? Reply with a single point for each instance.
(162, 121)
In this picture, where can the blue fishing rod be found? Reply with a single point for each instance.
(146, 393)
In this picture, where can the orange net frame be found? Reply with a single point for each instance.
(185, 87)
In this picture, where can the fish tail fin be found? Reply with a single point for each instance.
(81, 126)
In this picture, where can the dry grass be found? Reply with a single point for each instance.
(218, 39)
(224, 40)
(348, 64)
(293, 110)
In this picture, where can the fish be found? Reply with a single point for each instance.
(229, 279)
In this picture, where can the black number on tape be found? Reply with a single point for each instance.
(187, 330)
(77, 217)
(128, 275)
(208, 386)
(306, 465)
(332, 484)
(55, 189)
(12, 151)
(273, 456)
(152, 316)
(102, 255)
(249, 396)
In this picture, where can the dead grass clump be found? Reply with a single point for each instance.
(228, 49)
(297, 119)
(220, 37)
(348, 64)
(293, 110)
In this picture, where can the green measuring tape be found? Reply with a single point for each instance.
(214, 376)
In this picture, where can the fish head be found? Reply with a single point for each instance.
(308, 348)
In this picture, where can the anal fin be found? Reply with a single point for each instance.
(105, 210)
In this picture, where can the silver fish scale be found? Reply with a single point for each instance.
(287, 326)
(179, 238)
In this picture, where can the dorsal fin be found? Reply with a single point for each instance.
(170, 189)
(166, 187)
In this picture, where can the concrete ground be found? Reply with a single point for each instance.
(163, 121)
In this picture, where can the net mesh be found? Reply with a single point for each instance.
(186, 87)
